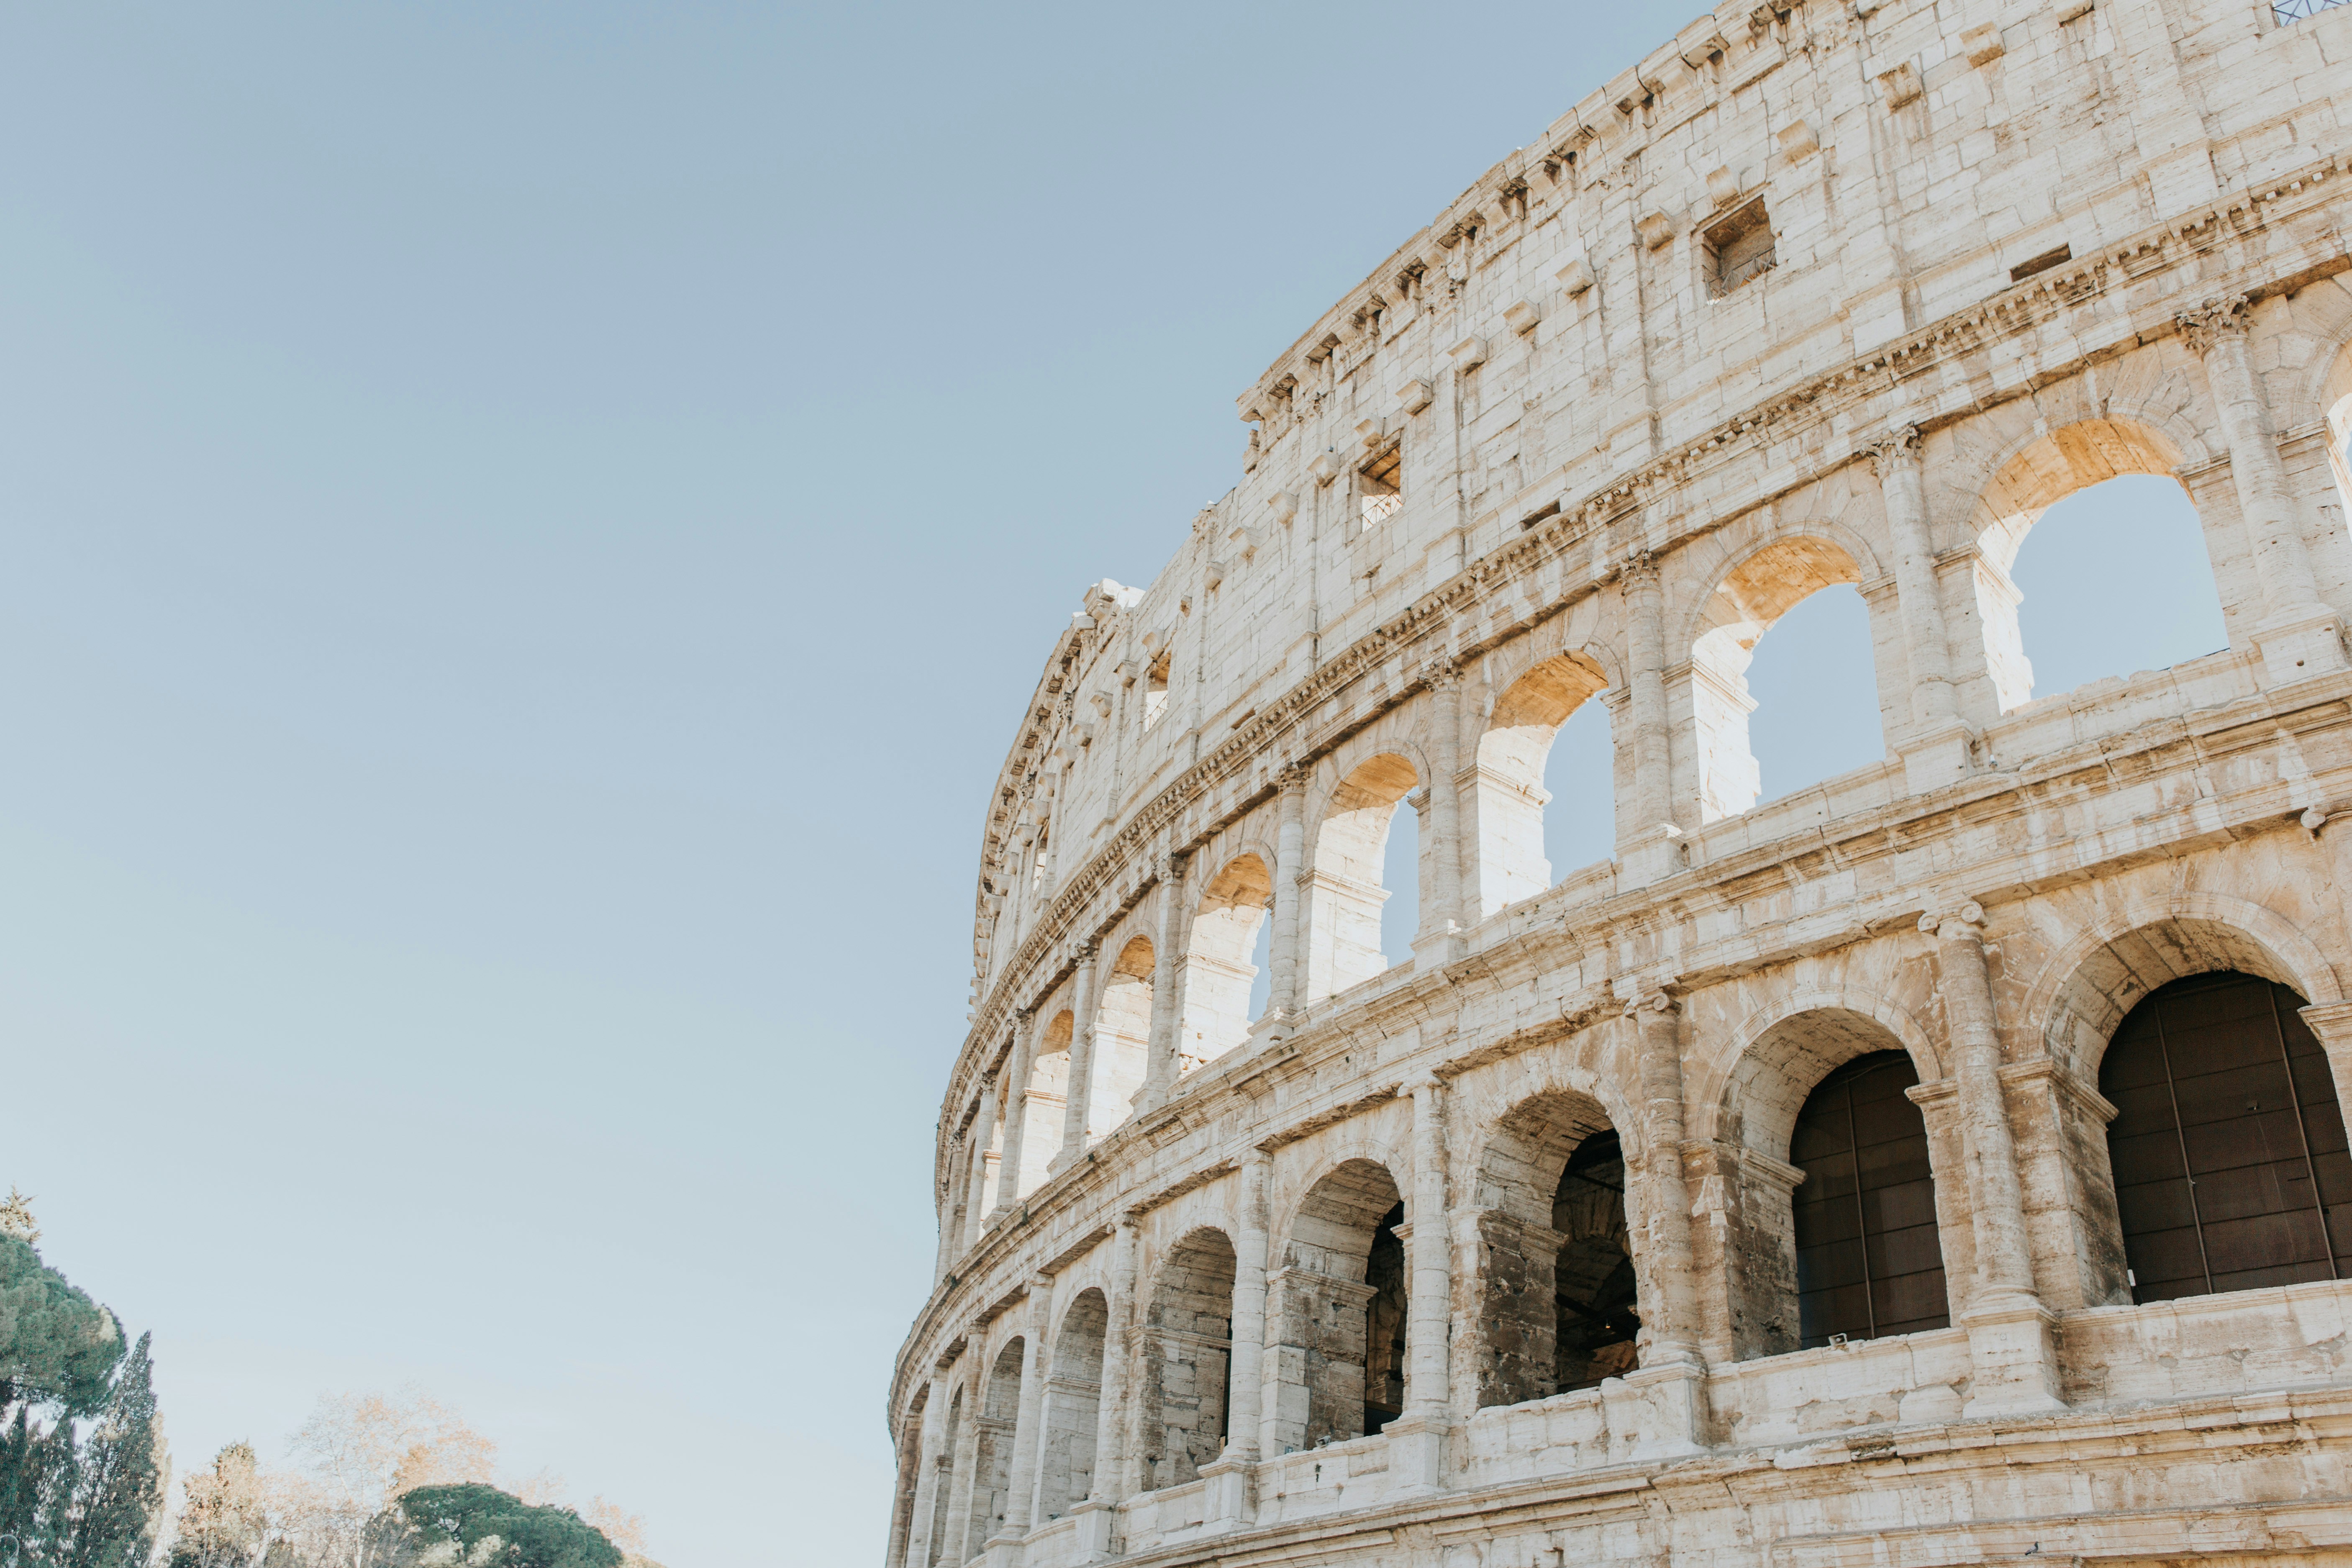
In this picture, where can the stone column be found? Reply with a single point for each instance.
(1649, 842)
(1100, 1509)
(1082, 1059)
(927, 1485)
(1284, 956)
(2010, 1340)
(1016, 1113)
(1441, 938)
(2300, 637)
(983, 1139)
(1167, 1006)
(1937, 749)
(1232, 1498)
(959, 1163)
(1022, 1486)
(1417, 1438)
(1673, 1374)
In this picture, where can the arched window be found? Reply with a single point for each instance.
(1338, 1360)
(1515, 809)
(1826, 712)
(1870, 1261)
(1122, 1038)
(1048, 1092)
(2092, 502)
(1073, 1400)
(1217, 967)
(2228, 1145)
(1188, 1361)
(910, 1471)
(1351, 860)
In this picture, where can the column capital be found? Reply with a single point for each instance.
(1420, 1084)
(1657, 999)
(2212, 321)
(1963, 922)
(1899, 447)
(1442, 672)
(1640, 569)
(1292, 776)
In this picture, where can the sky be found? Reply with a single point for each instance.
(527, 532)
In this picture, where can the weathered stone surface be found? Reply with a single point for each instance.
(1813, 295)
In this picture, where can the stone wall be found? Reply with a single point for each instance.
(1812, 295)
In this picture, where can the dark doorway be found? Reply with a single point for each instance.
(1869, 1260)
(2228, 1145)
(1592, 1284)
(1385, 1325)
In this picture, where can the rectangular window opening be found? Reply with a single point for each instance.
(1738, 249)
(1379, 485)
(1155, 690)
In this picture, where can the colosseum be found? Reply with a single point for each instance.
(1558, 1242)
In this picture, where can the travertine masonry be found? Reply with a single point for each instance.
(1502, 1256)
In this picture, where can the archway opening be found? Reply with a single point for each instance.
(1339, 1357)
(2093, 560)
(1073, 1403)
(992, 1476)
(1231, 921)
(1556, 1301)
(1188, 1361)
(1122, 1035)
(2228, 1146)
(1817, 688)
(1519, 814)
(1358, 863)
(1869, 1259)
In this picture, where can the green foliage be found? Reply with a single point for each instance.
(57, 1347)
(119, 1494)
(491, 1529)
(37, 1470)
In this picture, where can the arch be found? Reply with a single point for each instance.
(1188, 1359)
(1073, 1403)
(1122, 1038)
(2037, 471)
(2084, 989)
(1345, 891)
(992, 1476)
(1337, 1308)
(910, 1471)
(1786, 1055)
(1217, 968)
(1753, 593)
(2227, 1152)
(1046, 1094)
(1557, 1290)
(1869, 1256)
(1507, 799)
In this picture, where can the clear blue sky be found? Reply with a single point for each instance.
(526, 532)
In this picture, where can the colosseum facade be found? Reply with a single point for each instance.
(1561, 1242)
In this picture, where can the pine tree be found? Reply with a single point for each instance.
(119, 1494)
(38, 1469)
(57, 1347)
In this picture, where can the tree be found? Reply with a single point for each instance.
(359, 1452)
(490, 1529)
(58, 1348)
(225, 1522)
(119, 1492)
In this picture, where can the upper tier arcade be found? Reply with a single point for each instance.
(1814, 295)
